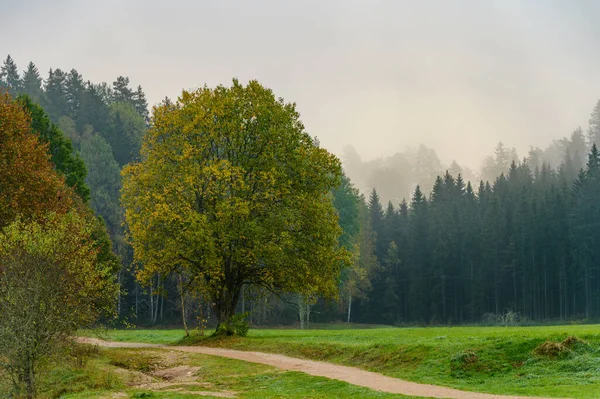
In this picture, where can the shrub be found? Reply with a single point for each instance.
(236, 325)
(508, 319)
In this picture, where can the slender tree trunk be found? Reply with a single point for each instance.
(137, 300)
(182, 298)
(545, 290)
(472, 292)
(301, 311)
(515, 284)
(496, 293)
(587, 292)
(349, 307)
(243, 300)
(151, 302)
(561, 291)
(119, 278)
(156, 300)
(444, 315)
(162, 305)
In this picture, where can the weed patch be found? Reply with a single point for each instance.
(552, 349)
(135, 361)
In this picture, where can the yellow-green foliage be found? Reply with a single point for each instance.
(51, 284)
(233, 189)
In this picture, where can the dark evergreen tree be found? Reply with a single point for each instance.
(93, 111)
(121, 91)
(419, 255)
(141, 104)
(9, 76)
(32, 83)
(61, 150)
(56, 95)
(74, 91)
(594, 125)
(125, 133)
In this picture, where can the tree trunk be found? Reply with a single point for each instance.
(349, 306)
(301, 311)
(444, 310)
(120, 283)
(243, 301)
(587, 291)
(162, 305)
(182, 297)
(137, 302)
(156, 304)
(151, 302)
(29, 380)
(226, 303)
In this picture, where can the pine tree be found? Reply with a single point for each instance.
(104, 179)
(32, 83)
(122, 92)
(94, 111)
(375, 307)
(419, 258)
(141, 104)
(594, 125)
(9, 76)
(74, 91)
(126, 131)
(376, 217)
(56, 104)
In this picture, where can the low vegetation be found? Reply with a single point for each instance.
(144, 373)
(502, 360)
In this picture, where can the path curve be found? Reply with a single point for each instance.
(351, 375)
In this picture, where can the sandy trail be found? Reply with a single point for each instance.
(351, 375)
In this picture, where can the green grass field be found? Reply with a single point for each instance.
(144, 373)
(500, 360)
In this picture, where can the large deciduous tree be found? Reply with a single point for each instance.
(232, 188)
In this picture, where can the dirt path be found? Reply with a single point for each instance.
(351, 375)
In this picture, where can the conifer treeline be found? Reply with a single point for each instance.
(529, 242)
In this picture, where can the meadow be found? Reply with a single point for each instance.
(154, 373)
(552, 361)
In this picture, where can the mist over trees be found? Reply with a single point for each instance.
(523, 241)
(396, 177)
(430, 243)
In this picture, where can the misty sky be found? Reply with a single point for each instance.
(457, 76)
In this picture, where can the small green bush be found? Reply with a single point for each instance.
(237, 325)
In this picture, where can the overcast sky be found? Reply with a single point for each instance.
(457, 76)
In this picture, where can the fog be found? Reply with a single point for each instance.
(381, 76)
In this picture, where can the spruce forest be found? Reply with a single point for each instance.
(445, 246)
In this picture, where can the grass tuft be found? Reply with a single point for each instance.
(553, 349)
(141, 362)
